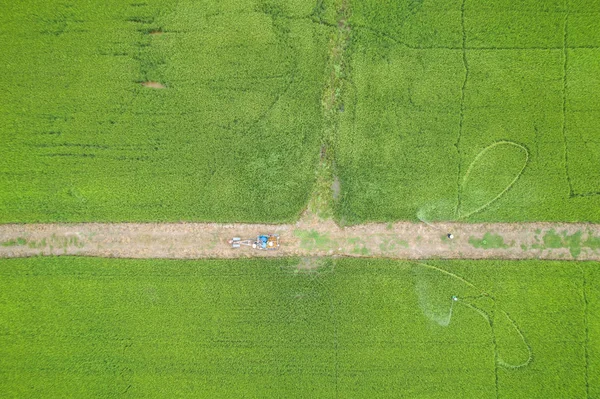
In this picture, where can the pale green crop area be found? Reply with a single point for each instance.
(85, 327)
(234, 135)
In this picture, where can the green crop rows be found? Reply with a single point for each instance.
(234, 136)
(205, 110)
(85, 327)
(452, 109)
(506, 90)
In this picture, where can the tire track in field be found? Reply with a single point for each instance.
(461, 120)
(306, 238)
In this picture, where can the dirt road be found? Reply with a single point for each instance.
(306, 238)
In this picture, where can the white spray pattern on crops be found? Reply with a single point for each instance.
(445, 320)
(437, 315)
(422, 218)
(425, 210)
(474, 162)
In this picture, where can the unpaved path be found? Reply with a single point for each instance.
(310, 236)
(307, 238)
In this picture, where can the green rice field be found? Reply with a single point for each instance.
(471, 111)
(449, 110)
(234, 135)
(240, 111)
(86, 327)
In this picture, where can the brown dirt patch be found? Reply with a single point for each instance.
(153, 85)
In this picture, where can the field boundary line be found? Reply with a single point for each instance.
(587, 332)
(564, 98)
(461, 120)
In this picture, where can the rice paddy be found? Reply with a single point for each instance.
(159, 110)
(435, 88)
(340, 328)
(239, 111)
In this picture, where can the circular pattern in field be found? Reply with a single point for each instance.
(490, 176)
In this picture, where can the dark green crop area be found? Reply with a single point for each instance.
(234, 135)
(471, 111)
(85, 327)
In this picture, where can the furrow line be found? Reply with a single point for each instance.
(462, 109)
(564, 100)
(587, 333)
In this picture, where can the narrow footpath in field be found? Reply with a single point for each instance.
(315, 234)
(310, 237)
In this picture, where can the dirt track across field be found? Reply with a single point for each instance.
(307, 238)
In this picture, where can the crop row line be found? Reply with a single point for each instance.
(462, 107)
(572, 193)
(561, 48)
(340, 45)
(586, 328)
(332, 311)
(564, 102)
(464, 45)
(583, 195)
(496, 354)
